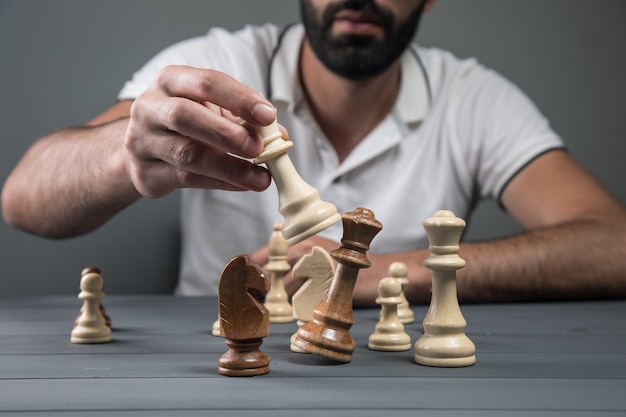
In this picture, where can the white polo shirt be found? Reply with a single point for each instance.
(458, 132)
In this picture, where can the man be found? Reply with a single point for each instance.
(376, 122)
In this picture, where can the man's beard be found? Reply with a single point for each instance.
(357, 56)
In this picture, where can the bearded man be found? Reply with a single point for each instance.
(376, 122)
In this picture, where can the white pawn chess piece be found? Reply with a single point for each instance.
(91, 326)
(318, 268)
(215, 328)
(399, 271)
(444, 343)
(304, 212)
(277, 299)
(389, 334)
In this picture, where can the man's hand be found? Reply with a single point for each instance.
(185, 132)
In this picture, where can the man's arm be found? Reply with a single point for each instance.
(72, 180)
(573, 246)
(180, 133)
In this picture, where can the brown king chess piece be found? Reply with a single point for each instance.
(244, 321)
(328, 332)
(304, 212)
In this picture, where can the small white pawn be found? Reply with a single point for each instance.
(399, 270)
(215, 328)
(389, 334)
(91, 326)
(277, 299)
(318, 268)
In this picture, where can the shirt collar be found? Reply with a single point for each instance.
(413, 99)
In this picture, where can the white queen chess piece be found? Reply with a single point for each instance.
(444, 343)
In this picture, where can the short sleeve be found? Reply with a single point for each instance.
(241, 54)
(509, 132)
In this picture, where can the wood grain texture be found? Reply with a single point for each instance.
(551, 359)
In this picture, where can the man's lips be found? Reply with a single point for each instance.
(358, 23)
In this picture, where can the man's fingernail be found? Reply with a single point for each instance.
(259, 179)
(252, 146)
(263, 113)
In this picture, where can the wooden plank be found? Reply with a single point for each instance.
(190, 339)
(548, 359)
(252, 394)
(292, 365)
(318, 412)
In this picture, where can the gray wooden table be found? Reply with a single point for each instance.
(543, 359)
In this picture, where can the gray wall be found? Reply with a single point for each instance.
(63, 61)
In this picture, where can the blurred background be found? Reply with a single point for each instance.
(62, 62)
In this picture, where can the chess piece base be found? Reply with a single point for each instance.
(293, 346)
(296, 236)
(445, 362)
(84, 335)
(244, 358)
(385, 343)
(406, 316)
(446, 352)
(334, 344)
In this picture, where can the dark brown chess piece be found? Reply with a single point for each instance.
(244, 321)
(328, 333)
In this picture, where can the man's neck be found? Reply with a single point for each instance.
(346, 110)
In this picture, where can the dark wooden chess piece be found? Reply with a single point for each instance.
(244, 321)
(328, 333)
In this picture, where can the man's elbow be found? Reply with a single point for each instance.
(18, 214)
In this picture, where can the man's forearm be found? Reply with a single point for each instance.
(582, 259)
(70, 182)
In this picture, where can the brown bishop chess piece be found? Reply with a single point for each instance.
(244, 320)
(328, 332)
(90, 326)
(444, 343)
(277, 299)
(304, 212)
